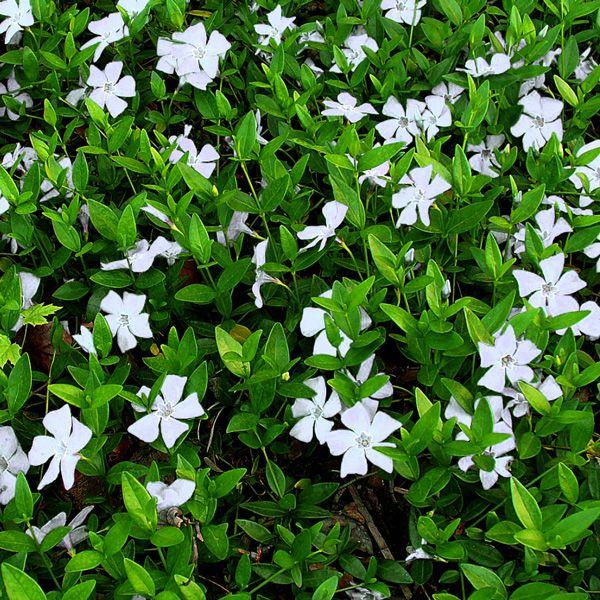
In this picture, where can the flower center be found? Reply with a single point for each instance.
(62, 448)
(420, 195)
(548, 289)
(507, 360)
(124, 320)
(363, 440)
(403, 121)
(109, 87)
(538, 122)
(317, 411)
(486, 153)
(199, 53)
(165, 410)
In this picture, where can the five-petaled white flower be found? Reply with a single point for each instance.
(519, 405)
(277, 26)
(203, 161)
(450, 92)
(590, 324)
(548, 228)
(18, 16)
(110, 88)
(403, 125)
(236, 227)
(358, 443)
(12, 88)
(586, 65)
(334, 213)
(68, 438)
(539, 120)
(418, 196)
(77, 534)
(480, 67)
(126, 319)
(167, 410)
(259, 258)
(12, 462)
(314, 413)
(506, 358)
(552, 292)
(353, 49)
(30, 284)
(85, 339)
(346, 107)
(108, 30)
(403, 11)
(171, 496)
(133, 7)
(484, 158)
(436, 115)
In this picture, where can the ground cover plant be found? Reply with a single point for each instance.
(299, 300)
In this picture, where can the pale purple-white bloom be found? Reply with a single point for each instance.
(110, 88)
(12, 88)
(417, 553)
(314, 413)
(25, 156)
(76, 95)
(68, 437)
(161, 216)
(450, 92)
(507, 358)
(589, 172)
(548, 228)
(171, 496)
(480, 67)
(12, 462)
(558, 203)
(203, 161)
(403, 125)
(133, 7)
(346, 107)
(436, 115)
(85, 339)
(334, 213)
(277, 25)
(166, 249)
(313, 324)
(371, 403)
(18, 16)
(259, 128)
(107, 31)
(593, 251)
(552, 292)
(496, 404)
(259, 258)
(314, 36)
(77, 534)
(30, 284)
(167, 412)
(310, 63)
(484, 158)
(4, 205)
(489, 478)
(418, 196)
(586, 65)
(535, 83)
(138, 259)
(358, 443)
(590, 324)
(518, 404)
(353, 49)
(539, 120)
(126, 319)
(236, 227)
(403, 11)
(378, 175)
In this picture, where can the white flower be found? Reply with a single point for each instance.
(496, 404)
(313, 324)
(166, 249)
(518, 403)
(4, 205)
(75, 96)
(334, 213)
(586, 65)
(18, 17)
(363, 375)
(418, 195)
(126, 319)
(417, 553)
(110, 88)
(30, 284)
(593, 251)
(506, 358)
(151, 210)
(488, 476)
(310, 63)
(484, 158)
(169, 496)
(346, 107)
(107, 31)
(86, 340)
(436, 115)
(552, 292)
(77, 534)
(549, 228)
(450, 92)
(562, 206)
(139, 259)
(590, 172)
(314, 413)
(12, 88)
(403, 11)
(24, 155)
(12, 462)
(259, 258)
(353, 49)
(167, 410)
(539, 120)
(402, 125)
(204, 161)
(590, 325)
(236, 227)
(133, 7)
(378, 175)
(479, 67)
(535, 83)
(68, 438)
(274, 30)
(358, 443)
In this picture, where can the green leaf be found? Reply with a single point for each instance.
(23, 498)
(568, 483)
(481, 577)
(137, 500)
(326, 589)
(84, 561)
(19, 586)
(275, 478)
(126, 229)
(216, 540)
(16, 541)
(19, 384)
(451, 8)
(197, 293)
(245, 137)
(536, 399)
(8, 187)
(525, 506)
(528, 206)
(81, 591)
(377, 156)
(103, 219)
(140, 580)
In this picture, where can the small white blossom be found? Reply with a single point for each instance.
(436, 115)
(334, 213)
(353, 49)
(68, 437)
(67, 188)
(77, 534)
(12, 462)
(484, 158)
(277, 25)
(203, 161)
(586, 65)
(12, 88)
(506, 358)
(109, 30)
(236, 227)
(314, 413)
(403, 11)
(133, 7)
(548, 228)
(126, 319)
(558, 203)
(25, 156)
(480, 67)
(518, 404)
(552, 292)
(139, 259)
(417, 197)
(450, 92)
(539, 120)
(346, 107)
(589, 325)
(110, 88)
(359, 442)
(259, 258)
(30, 284)
(589, 172)
(86, 340)
(18, 16)
(403, 125)
(593, 251)
(171, 496)
(535, 83)
(167, 412)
